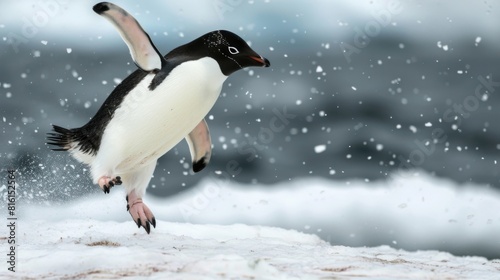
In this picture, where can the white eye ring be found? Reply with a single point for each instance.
(233, 50)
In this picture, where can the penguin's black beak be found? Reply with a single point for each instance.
(262, 61)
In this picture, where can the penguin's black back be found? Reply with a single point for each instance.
(88, 137)
(91, 133)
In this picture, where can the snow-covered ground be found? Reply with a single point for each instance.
(90, 249)
(201, 234)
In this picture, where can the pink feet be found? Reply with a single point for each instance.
(106, 183)
(140, 213)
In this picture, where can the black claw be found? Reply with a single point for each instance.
(118, 180)
(138, 222)
(128, 207)
(153, 222)
(147, 228)
(106, 189)
(126, 198)
(111, 184)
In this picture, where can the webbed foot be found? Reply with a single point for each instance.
(140, 212)
(106, 183)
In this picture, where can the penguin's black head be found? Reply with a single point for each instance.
(231, 52)
(228, 49)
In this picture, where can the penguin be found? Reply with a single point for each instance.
(164, 101)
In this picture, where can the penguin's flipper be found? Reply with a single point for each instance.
(143, 51)
(200, 146)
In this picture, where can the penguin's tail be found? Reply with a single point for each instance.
(62, 138)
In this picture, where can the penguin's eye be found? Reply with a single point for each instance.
(233, 50)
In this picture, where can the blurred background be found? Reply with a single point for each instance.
(359, 90)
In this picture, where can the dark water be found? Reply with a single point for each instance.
(418, 109)
(401, 103)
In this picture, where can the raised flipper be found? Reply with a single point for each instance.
(200, 146)
(144, 53)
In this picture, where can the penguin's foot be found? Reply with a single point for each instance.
(140, 212)
(106, 183)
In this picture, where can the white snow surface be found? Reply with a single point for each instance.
(90, 249)
(94, 237)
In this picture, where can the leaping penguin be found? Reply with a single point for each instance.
(154, 108)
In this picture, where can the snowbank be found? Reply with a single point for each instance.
(95, 238)
(411, 211)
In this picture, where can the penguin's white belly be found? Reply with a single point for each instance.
(150, 123)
